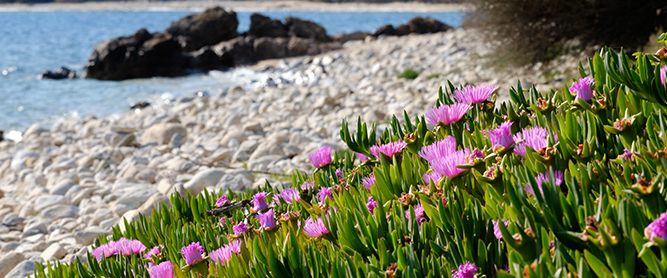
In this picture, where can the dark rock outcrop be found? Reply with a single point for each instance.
(204, 29)
(206, 59)
(60, 73)
(385, 30)
(306, 29)
(262, 26)
(343, 38)
(139, 105)
(238, 51)
(416, 25)
(271, 48)
(138, 56)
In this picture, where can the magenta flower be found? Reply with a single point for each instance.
(307, 185)
(371, 204)
(475, 154)
(474, 94)
(447, 114)
(501, 137)
(496, 228)
(325, 192)
(221, 201)
(439, 149)
(663, 73)
(290, 195)
(155, 251)
(193, 253)
(163, 270)
(388, 149)
(419, 214)
(432, 176)
(105, 250)
(657, 228)
(128, 247)
(240, 228)
(627, 155)
(267, 220)
(466, 270)
(362, 157)
(321, 157)
(339, 173)
(258, 201)
(583, 88)
(542, 177)
(222, 222)
(315, 228)
(221, 256)
(534, 137)
(368, 181)
(446, 166)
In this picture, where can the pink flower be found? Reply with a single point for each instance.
(583, 88)
(193, 253)
(447, 114)
(240, 228)
(315, 228)
(657, 228)
(339, 173)
(627, 155)
(307, 185)
(388, 149)
(321, 157)
(163, 270)
(432, 176)
(501, 137)
(221, 201)
(663, 73)
(474, 94)
(368, 181)
(541, 178)
(267, 220)
(447, 166)
(105, 250)
(221, 256)
(438, 149)
(496, 228)
(362, 157)
(222, 222)
(466, 270)
(290, 195)
(419, 214)
(325, 192)
(371, 204)
(534, 137)
(258, 201)
(155, 251)
(128, 247)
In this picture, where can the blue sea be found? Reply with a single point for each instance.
(32, 42)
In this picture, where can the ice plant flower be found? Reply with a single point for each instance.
(474, 94)
(221, 201)
(221, 256)
(657, 228)
(339, 173)
(371, 204)
(627, 155)
(290, 195)
(258, 201)
(240, 228)
(534, 137)
(432, 176)
(583, 88)
(315, 228)
(663, 74)
(362, 157)
(496, 228)
(419, 214)
(439, 149)
(542, 177)
(155, 251)
(162, 270)
(267, 220)
(389, 149)
(368, 181)
(193, 253)
(320, 157)
(447, 114)
(128, 247)
(501, 136)
(325, 192)
(466, 270)
(105, 250)
(446, 166)
(307, 185)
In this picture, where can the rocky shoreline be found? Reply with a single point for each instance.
(62, 186)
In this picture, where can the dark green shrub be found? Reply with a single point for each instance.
(409, 74)
(542, 29)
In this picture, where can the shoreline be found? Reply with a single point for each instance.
(249, 6)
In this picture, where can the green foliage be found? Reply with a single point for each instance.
(409, 74)
(588, 222)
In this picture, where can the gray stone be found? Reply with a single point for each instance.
(22, 270)
(61, 188)
(163, 132)
(60, 212)
(154, 202)
(43, 202)
(132, 199)
(205, 178)
(86, 237)
(9, 261)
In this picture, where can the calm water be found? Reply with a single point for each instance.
(31, 42)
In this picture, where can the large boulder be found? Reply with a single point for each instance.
(262, 26)
(238, 51)
(141, 55)
(206, 59)
(163, 133)
(60, 73)
(305, 29)
(387, 30)
(420, 25)
(207, 28)
(300, 46)
(271, 48)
